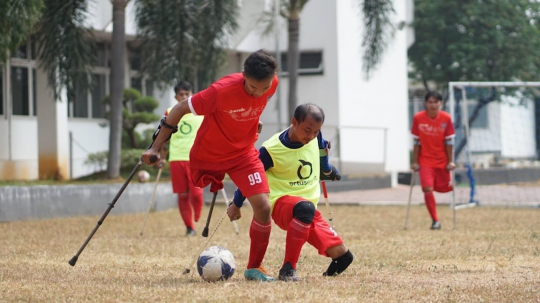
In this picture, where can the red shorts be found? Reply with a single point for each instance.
(321, 235)
(438, 178)
(246, 171)
(181, 177)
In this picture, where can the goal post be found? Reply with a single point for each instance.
(499, 156)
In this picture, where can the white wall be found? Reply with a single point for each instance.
(23, 164)
(517, 129)
(381, 101)
(88, 137)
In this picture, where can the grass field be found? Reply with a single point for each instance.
(492, 256)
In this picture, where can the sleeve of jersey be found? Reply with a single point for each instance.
(324, 150)
(267, 161)
(204, 102)
(449, 131)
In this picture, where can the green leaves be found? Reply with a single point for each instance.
(17, 21)
(184, 39)
(66, 47)
(489, 40)
(378, 30)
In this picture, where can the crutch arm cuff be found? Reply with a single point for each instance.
(238, 198)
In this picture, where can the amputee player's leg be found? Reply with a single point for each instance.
(249, 175)
(427, 179)
(443, 181)
(329, 244)
(195, 195)
(295, 215)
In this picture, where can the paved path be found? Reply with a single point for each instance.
(498, 195)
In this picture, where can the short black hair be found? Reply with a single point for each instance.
(433, 94)
(182, 85)
(260, 65)
(302, 111)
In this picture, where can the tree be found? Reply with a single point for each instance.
(136, 109)
(60, 35)
(17, 21)
(184, 39)
(489, 40)
(378, 30)
(117, 87)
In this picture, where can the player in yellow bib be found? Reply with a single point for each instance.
(190, 198)
(294, 164)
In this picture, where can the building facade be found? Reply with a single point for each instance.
(366, 119)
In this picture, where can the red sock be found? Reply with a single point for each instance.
(297, 235)
(185, 209)
(431, 205)
(259, 234)
(196, 198)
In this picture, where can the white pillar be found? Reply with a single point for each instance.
(53, 133)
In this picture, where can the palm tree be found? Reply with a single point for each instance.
(117, 87)
(184, 39)
(377, 33)
(17, 21)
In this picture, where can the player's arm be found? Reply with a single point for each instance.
(165, 129)
(449, 143)
(328, 171)
(416, 153)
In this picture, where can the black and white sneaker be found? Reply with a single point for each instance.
(288, 274)
(435, 225)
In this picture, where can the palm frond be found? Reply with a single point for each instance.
(378, 30)
(66, 47)
(17, 21)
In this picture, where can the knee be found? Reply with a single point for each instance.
(338, 251)
(427, 189)
(260, 204)
(304, 212)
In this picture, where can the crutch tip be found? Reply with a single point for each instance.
(205, 232)
(186, 271)
(73, 261)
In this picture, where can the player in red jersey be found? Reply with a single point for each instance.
(433, 134)
(225, 143)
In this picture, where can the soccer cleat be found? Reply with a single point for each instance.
(257, 274)
(435, 225)
(288, 273)
(190, 232)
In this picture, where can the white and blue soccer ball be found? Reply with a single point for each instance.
(216, 263)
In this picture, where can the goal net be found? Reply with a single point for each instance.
(496, 148)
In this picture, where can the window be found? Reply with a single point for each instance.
(310, 63)
(19, 91)
(80, 103)
(136, 82)
(98, 93)
(101, 54)
(22, 81)
(149, 85)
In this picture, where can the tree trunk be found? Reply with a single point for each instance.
(293, 58)
(117, 88)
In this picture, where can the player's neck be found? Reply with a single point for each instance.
(432, 115)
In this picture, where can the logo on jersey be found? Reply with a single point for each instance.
(185, 128)
(432, 130)
(304, 173)
(243, 114)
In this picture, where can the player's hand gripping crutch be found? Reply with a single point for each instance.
(151, 199)
(409, 202)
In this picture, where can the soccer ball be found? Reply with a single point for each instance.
(143, 176)
(216, 263)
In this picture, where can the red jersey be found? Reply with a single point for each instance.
(432, 132)
(231, 118)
